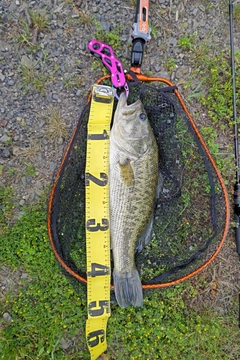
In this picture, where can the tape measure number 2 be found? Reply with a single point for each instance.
(97, 219)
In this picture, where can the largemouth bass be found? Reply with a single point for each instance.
(133, 186)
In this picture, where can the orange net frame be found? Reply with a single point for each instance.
(192, 214)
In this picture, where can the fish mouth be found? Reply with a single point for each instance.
(126, 110)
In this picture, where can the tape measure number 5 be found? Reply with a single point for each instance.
(97, 219)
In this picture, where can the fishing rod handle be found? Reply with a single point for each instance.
(237, 214)
(237, 234)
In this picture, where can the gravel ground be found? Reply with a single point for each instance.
(46, 73)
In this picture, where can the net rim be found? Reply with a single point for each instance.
(145, 78)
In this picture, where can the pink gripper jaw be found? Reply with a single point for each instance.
(111, 62)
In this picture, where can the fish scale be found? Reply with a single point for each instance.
(135, 198)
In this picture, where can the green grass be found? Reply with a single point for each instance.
(170, 64)
(30, 170)
(23, 37)
(40, 20)
(217, 73)
(6, 207)
(33, 79)
(46, 309)
(236, 12)
(214, 92)
(83, 18)
(111, 38)
(186, 41)
(217, 78)
(57, 128)
(72, 80)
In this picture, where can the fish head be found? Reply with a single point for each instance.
(132, 131)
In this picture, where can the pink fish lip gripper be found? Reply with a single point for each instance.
(105, 52)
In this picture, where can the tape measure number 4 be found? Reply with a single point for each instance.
(97, 219)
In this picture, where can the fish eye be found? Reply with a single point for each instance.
(142, 116)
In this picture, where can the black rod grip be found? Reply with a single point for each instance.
(237, 233)
(237, 214)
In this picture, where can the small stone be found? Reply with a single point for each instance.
(53, 166)
(4, 139)
(106, 26)
(82, 46)
(15, 150)
(49, 97)
(157, 67)
(26, 197)
(172, 41)
(163, 74)
(24, 107)
(221, 311)
(21, 202)
(24, 276)
(55, 97)
(65, 343)
(26, 61)
(10, 83)
(3, 123)
(60, 141)
(7, 317)
(5, 153)
(41, 124)
(32, 196)
(2, 77)
(78, 93)
(24, 182)
(59, 32)
(195, 11)
(183, 71)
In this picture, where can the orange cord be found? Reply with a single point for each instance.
(144, 78)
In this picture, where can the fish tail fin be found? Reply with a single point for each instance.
(128, 289)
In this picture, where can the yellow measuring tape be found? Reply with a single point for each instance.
(97, 219)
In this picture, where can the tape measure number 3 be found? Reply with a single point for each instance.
(97, 219)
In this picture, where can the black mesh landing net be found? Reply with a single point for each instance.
(191, 215)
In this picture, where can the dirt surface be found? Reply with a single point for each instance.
(46, 73)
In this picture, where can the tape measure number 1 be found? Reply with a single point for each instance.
(97, 219)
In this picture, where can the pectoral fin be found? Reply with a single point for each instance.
(127, 172)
